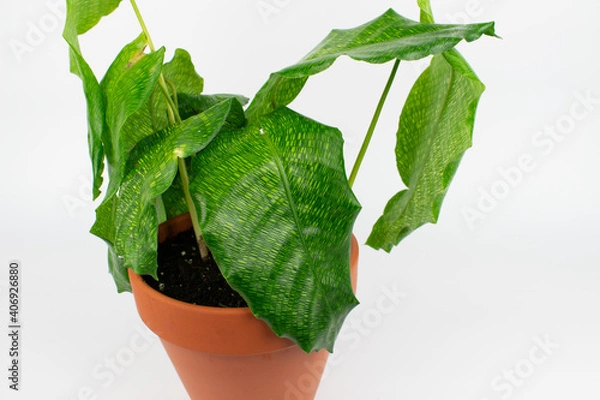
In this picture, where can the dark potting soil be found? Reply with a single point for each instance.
(183, 275)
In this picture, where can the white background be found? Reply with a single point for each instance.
(476, 297)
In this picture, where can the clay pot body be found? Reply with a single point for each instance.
(227, 353)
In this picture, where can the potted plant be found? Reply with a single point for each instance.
(264, 191)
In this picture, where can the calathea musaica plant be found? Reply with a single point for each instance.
(266, 187)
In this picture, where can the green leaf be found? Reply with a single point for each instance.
(131, 89)
(151, 169)
(436, 128)
(181, 72)
(152, 116)
(128, 84)
(120, 71)
(82, 15)
(116, 267)
(190, 105)
(95, 117)
(277, 214)
(129, 55)
(391, 36)
(104, 228)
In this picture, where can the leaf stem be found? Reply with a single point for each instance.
(175, 118)
(374, 121)
(185, 180)
(171, 107)
(140, 19)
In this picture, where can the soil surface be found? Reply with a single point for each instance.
(184, 276)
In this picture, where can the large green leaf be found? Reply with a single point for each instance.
(82, 15)
(95, 118)
(391, 36)
(435, 129)
(151, 169)
(277, 214)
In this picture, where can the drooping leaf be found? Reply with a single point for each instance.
(95, 118)
(150, 171)
(82, 15)
(118, 270)
(277, 214)
(104, 228)
(435, 129)
(391, 36)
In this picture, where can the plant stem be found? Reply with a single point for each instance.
(140, 19)
(193, 212)
(369, 136)
(161, 79)
(175, 118)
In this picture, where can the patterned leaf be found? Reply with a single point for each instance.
(129, 82)
(278, 215)
(181, 72)
(153, 117)
(104, 228)
(435, 129)
(389, 37)
(150, 172)
(82, 15)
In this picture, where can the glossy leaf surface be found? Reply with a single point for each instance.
(127, 86)
(435, 129)
(82, 15)
(128, 221)
(389, 37)
(277, 214)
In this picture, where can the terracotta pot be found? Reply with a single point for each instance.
(227, 353)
